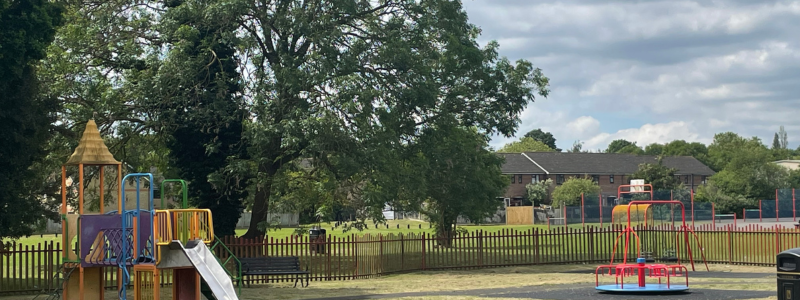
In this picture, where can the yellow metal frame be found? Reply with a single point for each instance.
(183, 225)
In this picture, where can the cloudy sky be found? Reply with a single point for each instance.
(653, 71)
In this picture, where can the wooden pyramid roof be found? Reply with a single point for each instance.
(92, 150)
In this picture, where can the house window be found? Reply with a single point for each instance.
(520, 179)
(610, 178)
(559, 179)
(596, 178)
(705, 179)
(685, 179)
(534, 178)
(513, 179)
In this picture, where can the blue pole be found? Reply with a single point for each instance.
(136, 216)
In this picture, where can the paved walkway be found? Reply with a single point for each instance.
(586, 291)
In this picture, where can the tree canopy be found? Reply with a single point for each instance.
(233, 95)
(525, 144)
(461, 177)
(616, 145)
(544, 137)
(658, 175)
(569, 193)
(27, 27)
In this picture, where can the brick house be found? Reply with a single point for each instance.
(609, 170)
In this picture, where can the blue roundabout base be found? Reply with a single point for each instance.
(649, 288)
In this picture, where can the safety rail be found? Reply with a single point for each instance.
(218, 247)
(162, 222)
(183, 225)
(108, 248)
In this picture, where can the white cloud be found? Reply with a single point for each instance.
(648, 134)
(665, 69)
(583, 127)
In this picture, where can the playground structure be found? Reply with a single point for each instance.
(640, 214)
(641, 269)
(140, 242)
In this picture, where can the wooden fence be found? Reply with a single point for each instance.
(31, 268)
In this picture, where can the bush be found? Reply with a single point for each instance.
(569, 193)
(537, 192)
(723, 203)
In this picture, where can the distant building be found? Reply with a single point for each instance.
(790, 164)
(609, 170)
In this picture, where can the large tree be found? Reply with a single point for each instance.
(658, 175)
(544, 137)
(569, 193)
(462, 177)
(745, 167)
(196, 101)
(27, 28)
(323, 76)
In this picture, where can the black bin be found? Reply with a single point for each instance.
(789, 274)
(316, 237)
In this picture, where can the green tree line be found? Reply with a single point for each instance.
(745, 167)
(313, 106)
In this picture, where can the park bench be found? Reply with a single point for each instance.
(274, 265)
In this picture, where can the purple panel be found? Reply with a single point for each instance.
(90, 226)
(145, 227)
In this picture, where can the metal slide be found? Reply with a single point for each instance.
(210, 269)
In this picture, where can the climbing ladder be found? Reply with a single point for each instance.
(53, 292)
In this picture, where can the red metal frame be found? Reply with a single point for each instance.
(691, 195)
(620, 191)
(600, 198)
(583, 223)
(686, 230)
(777, 215)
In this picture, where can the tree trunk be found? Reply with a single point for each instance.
(445, 234)
(260, 210)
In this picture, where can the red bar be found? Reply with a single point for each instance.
(691, 193)
(583, 223)
(601, 209)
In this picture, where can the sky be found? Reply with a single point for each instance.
(652, 71)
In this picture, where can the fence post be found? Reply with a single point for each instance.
(777, 239)
(423, 251)
(402, 253)
(777, 215)
(591, 244)
(480, 248)
(730, 246)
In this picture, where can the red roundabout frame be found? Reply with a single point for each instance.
(655, 270)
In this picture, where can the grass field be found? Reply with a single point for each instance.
(338, 232)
